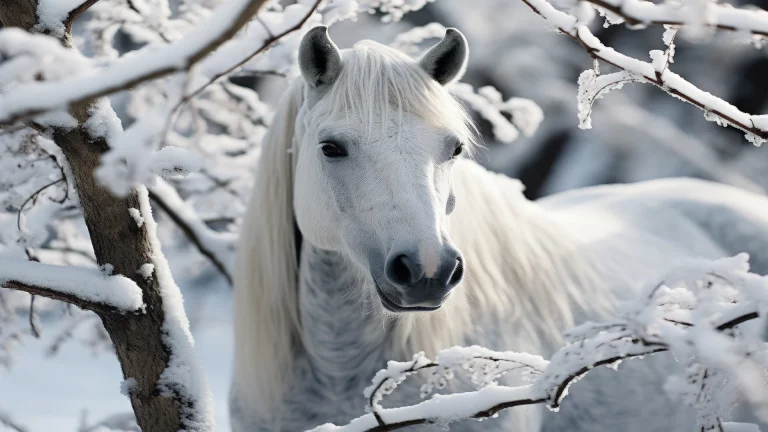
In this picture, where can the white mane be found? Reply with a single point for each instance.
(519, 263)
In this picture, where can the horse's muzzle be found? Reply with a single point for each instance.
(407, 288)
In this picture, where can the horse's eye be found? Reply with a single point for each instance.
(332, 150)
(458, 150)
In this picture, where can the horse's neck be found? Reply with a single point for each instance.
(339, 333)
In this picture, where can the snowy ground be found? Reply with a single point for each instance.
(48, 394)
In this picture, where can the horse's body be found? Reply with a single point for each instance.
(305, 351)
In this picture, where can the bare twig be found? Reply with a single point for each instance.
(33, 317)
(76, 12)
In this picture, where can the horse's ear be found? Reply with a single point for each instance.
(319, 58)
(447, 60)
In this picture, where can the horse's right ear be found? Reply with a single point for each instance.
(319, 58)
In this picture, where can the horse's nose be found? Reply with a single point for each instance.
(405, 271)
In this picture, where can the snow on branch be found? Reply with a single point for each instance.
(86, 288)
(33, 98)
(695, 312)
(720, 16)
(126, 164)
(656, 72)
(217, 247)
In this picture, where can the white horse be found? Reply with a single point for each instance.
(370, 236)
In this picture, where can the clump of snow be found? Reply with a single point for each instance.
(184, 377)
(136, 215)
(102, 121)
(175, 161)
(107, 269)
(51, 15)
(57, 119)
(146, 270)
(127, 386)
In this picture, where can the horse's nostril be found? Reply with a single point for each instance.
(400, 270)
(458, 273)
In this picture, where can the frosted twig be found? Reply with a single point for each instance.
(755, 127)
(720, 16)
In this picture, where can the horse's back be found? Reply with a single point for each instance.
(708, 218)
(702, 219)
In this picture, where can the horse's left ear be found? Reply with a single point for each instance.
(447, 60)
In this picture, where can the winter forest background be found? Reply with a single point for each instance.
(57, 369)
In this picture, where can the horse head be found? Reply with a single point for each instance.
(380, 138)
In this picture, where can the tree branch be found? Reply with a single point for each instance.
(266, 45)
(604, 344)
(76, 12)
(645, 72)
(33, 99)
(85, 288)
(213, 245)
(720, 16)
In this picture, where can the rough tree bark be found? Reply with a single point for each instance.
(118, 241)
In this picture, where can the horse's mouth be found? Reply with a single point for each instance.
(394, 307)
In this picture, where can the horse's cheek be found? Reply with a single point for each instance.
(314, 208)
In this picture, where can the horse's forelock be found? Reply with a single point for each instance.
(376, 81)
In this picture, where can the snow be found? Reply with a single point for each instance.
(87, 284)
(701, 13)
(184, 376)
(146, 270)
(51, 15)
(127, 386)
(136, 215)
(175, 161)
(440, 408)
(50, 95)
(681, 312)
(91, 378)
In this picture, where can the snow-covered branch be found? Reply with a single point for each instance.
(217, 247)
(656, 72)
(30, 99)
(694, 311)
(86, 288)
(721, 16)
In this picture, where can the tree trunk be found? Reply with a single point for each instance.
(119, 241)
